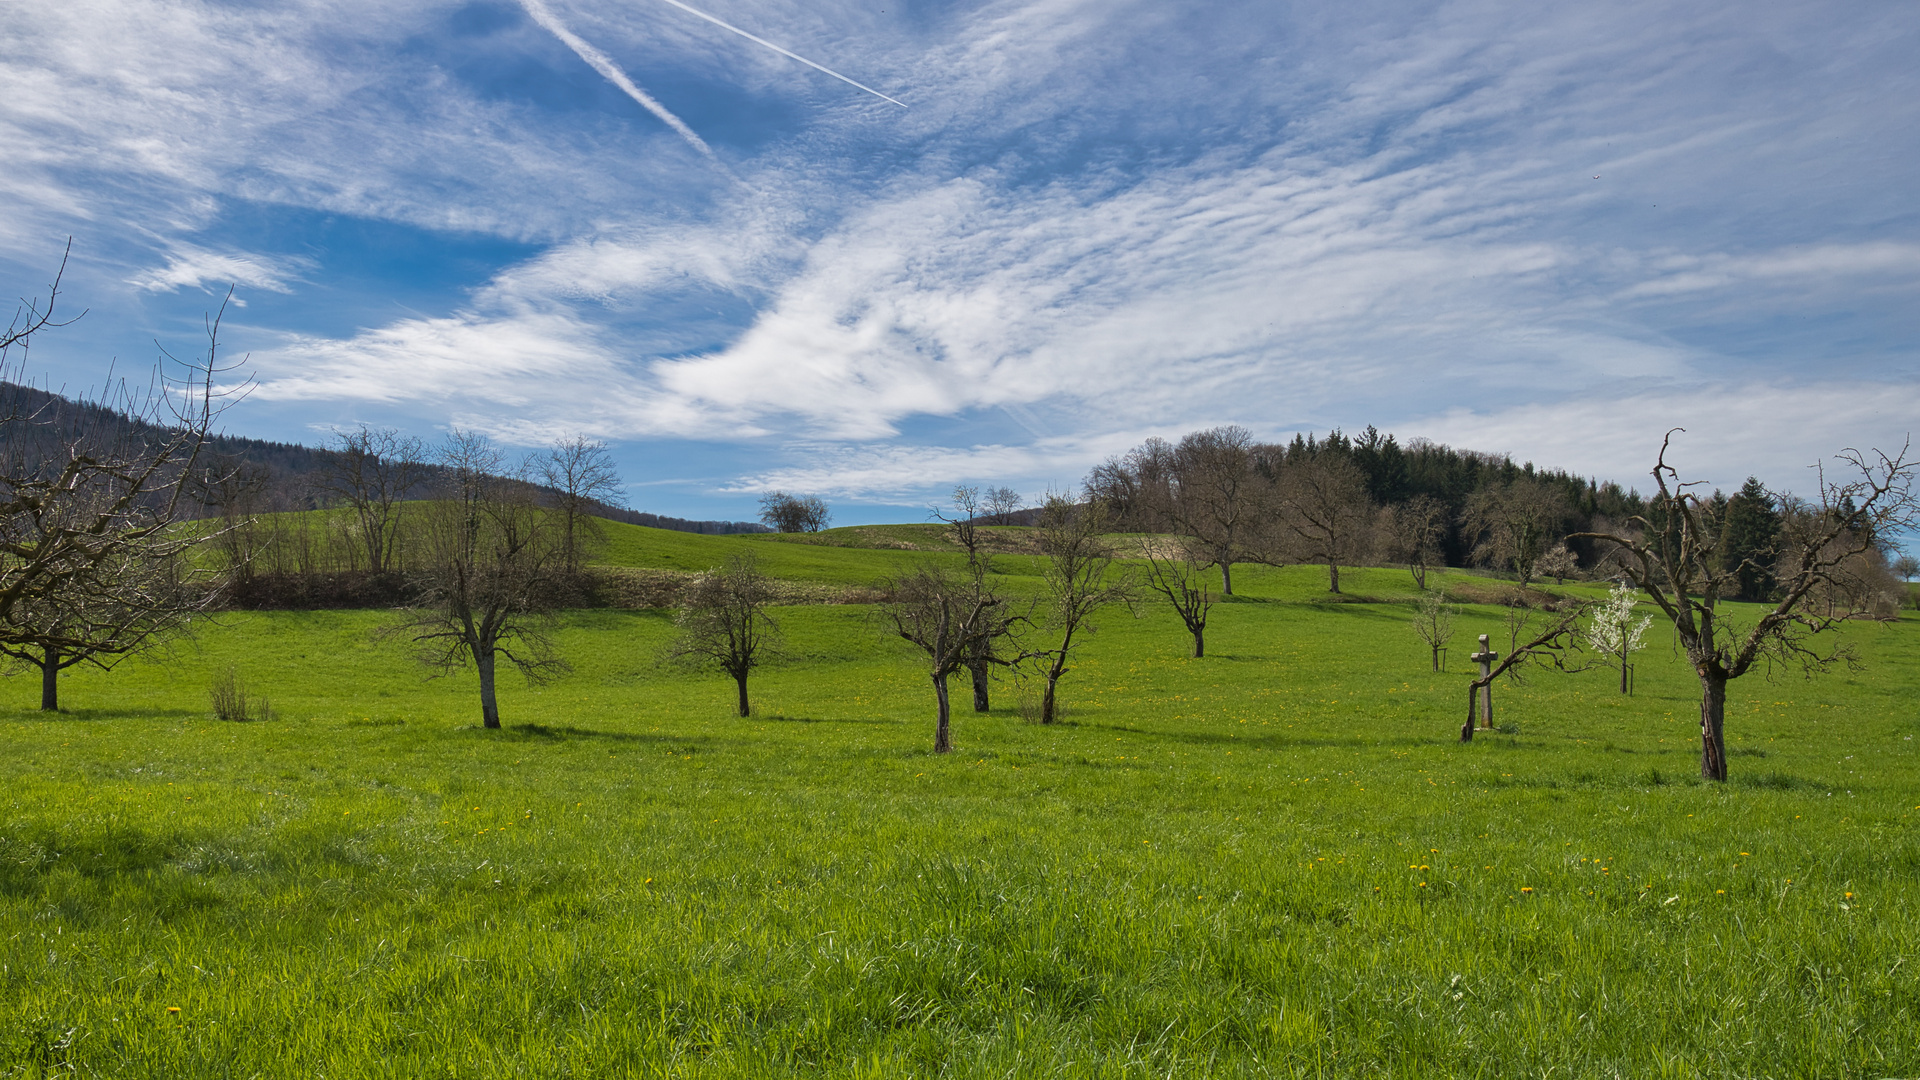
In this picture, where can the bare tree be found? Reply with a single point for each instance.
(1326, 512)
(91, 493)
(723, 621)
(1207, 488)
(1176, 572)
(1078, 570)
(101, 611)
(1673, 555)
(1518, 523)
(1415, 531)
(1001, 504)
(945, 617)
(786, 513)
(1433, 621)
(965, 519)
(580, 475)
(372, 470)
(489, 562)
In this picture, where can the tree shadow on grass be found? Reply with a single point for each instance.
(563, 733)
(1272, 741)
(781, 718)
(87, 715)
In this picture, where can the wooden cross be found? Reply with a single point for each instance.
(1485, 658)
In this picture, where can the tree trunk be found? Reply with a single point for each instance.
(1333, 576)
(1199, 642)
(50, 681)
(489, 706)
(1419, 573)
(978, 669)
(1226, 579)
(1046, 699)
(1623, 674)
(1473, 712)
(1713, 716)
(942, 740)
(742, 680)
(1436, 659)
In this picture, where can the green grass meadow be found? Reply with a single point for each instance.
(1275, 861)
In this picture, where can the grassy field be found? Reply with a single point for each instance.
(1276, 861)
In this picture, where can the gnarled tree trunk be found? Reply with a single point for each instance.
(489, 706)
(1713, 715)
(741, 679)
(1199, 642)
(978, 669)
(942, 738)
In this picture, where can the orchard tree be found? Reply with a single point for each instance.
(945, 617)
(1416, 532)
(1326, 513)
(724, 622)
(1178, 573)
(1614, 633)
(786, 513)
(1433, 622)
(968, 509)
(1078, 570)
(1207, 488)
(579, 475)
(372, 471)
(1518, 523)
(93, 562)
(489, 567)
(1675, 554)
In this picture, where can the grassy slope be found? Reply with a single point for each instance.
(1274, 861)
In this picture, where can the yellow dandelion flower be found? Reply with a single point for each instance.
(1526, 888)
(173, 1010)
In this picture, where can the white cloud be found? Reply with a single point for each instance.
(193, 268)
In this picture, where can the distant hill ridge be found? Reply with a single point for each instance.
(287, 463)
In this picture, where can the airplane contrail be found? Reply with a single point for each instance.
(601, 63)
(796, 56)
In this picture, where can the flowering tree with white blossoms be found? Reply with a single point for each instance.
(1614, 632)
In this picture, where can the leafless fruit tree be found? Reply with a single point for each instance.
(1078, 569)
(579, 474)
(1326, 513)
(372, 471)
(1178, 573)
(1673, 555)
(1001, 504)
(1207, 488)
(1518, 523)
(92, 564)
(489, 562)
(1433, 622)
(964, 519)
(946, 617)
(1415, 531)
(786, 513)
(724, 622)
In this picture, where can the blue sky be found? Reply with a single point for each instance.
(1552, 230)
